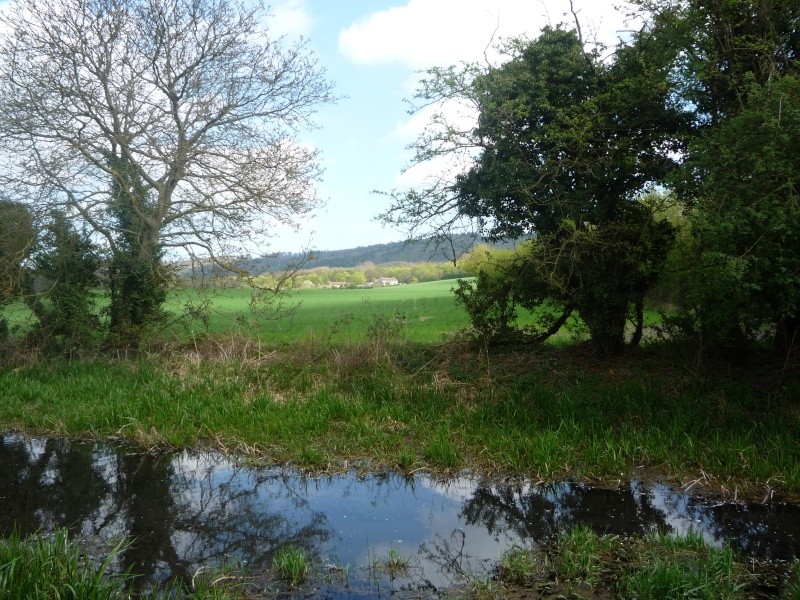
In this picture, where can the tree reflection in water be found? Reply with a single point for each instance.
(50, 483)
(186, 510)
(179, 514)
(537, 512)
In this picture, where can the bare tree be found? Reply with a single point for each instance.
(186, 110)
(17, 239)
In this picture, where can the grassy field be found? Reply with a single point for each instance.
(363, 376)
(423, 312)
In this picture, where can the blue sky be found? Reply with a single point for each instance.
(373, 50)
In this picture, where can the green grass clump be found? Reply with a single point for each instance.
(442, 451)
(204, 585)
(580, 563)
(517, 566)
(684, 567)
(792, 589)
(479, 589)
(54, 567)
(393, 564)
(291, 565)
(580, 553)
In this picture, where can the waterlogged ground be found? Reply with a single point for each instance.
(367, 537)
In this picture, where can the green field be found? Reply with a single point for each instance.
(364, 376)
(421, 312)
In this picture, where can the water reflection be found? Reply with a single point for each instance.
(190, 509)
(536, 512)
(49, 483)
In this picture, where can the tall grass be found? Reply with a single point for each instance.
(580, 553)
(394, 563)
(583, 564)
(54, 567)
(545, 413)
(684, 567)
(517, 566)
(291, 565)
(792, 589)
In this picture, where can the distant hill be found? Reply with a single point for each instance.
(394, 252)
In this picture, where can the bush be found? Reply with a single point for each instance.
(67, 267)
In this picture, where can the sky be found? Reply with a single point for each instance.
(374, 52)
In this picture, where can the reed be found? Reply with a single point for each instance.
(291, 565)
(54, 567)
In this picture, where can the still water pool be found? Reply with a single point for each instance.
(193, 509)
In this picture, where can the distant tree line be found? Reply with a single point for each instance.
(416, 251)
(358, 276)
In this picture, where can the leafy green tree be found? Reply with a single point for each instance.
(354, 277)
(451, 270)
(371, 272)
(748, 217)
(566, 142)
(138, 279)
(736, 64)
(718, 48)
(484, 259)
(67, 264)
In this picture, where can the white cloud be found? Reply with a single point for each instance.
(458, 115)
(425, 33)
(290, 18)
(425, 174)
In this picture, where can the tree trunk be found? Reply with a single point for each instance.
(637, 334)
(787, 334)
(606, 324)
(557, 324)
